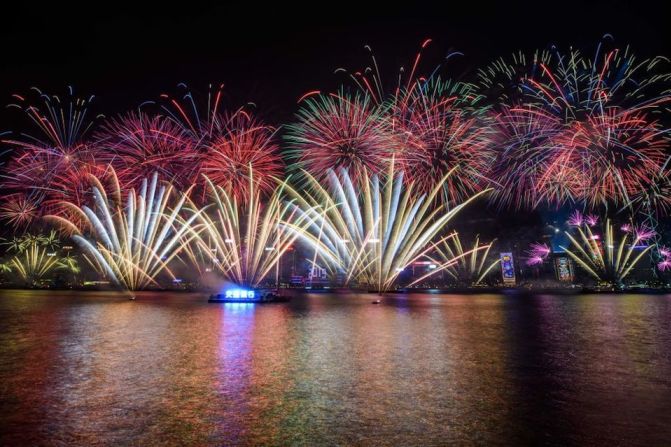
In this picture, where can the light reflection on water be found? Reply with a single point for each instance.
(94, 368)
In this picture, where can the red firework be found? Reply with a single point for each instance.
(137, 145)
(241, 142)
(337, 131)
(439, 136)
(18, 210)
(74, 188)
(528, 168)
(41, 163)
(45, 175)
(618, 153)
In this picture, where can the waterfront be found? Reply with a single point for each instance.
(95, 369)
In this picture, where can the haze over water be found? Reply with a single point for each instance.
(94, 369)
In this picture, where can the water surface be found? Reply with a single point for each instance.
(170, 369)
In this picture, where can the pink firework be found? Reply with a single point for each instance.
(592, 220)
(665, 253)
(537, 253)
(535, 260)
(341, 132)
(539, 249)
(644, 233)
(241, 143)
(664, 265)
(626, 227)
(137, 145)
(576, 219)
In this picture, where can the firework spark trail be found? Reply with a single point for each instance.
(64, 122)
(133, 245)
(200, 119)
(370, 236)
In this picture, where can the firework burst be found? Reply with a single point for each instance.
(18, 210)
(467, 266)
(618, 152)
(437, 125)
(245, 240)
(528, 168)
(370, 237)
(439, 131)
(225, 142)
(339, 131)
(137, 145)
(133, 245)
(42, 165)
(611, 262)
(34, 258)
(611, 146)
(242, 142)
(537, 253)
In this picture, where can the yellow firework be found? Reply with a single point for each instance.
(602, 256)
(244, 241)
(133, 245)
(36, 257)
(34, 262)
(467, 266)
(370, 235)
(5, 267)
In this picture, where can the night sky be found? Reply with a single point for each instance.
(271, 55)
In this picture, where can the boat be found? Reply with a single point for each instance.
(248, 296)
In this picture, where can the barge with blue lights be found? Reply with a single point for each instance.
(248, 296)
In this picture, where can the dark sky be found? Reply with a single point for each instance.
(273, 54)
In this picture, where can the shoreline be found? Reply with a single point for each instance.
(517, 291)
